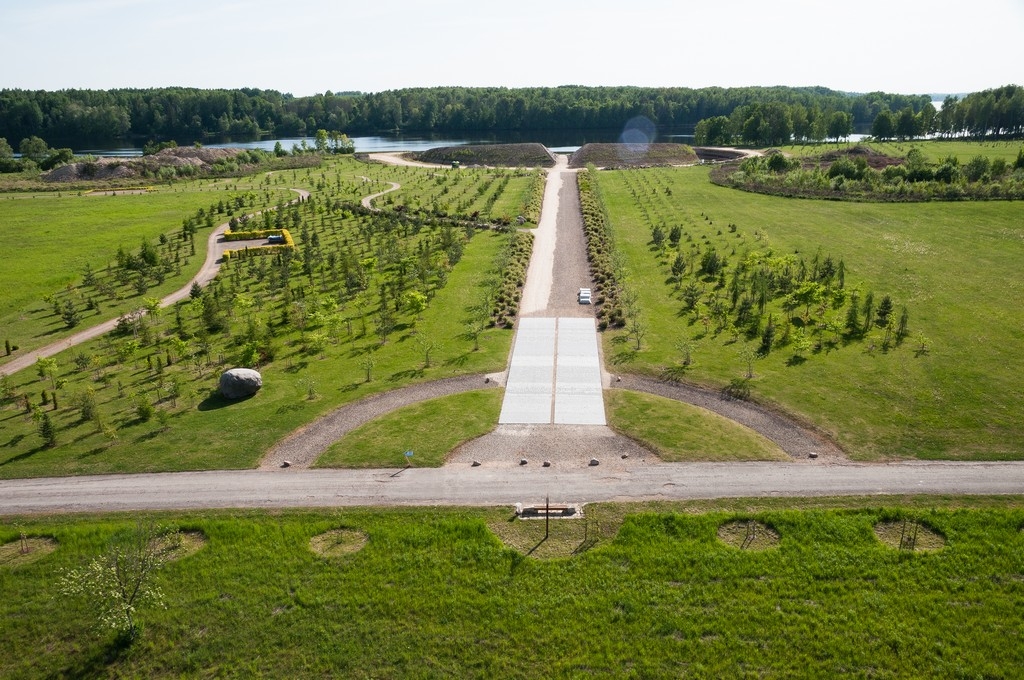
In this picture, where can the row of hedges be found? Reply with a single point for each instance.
(600, 253)
(512, 262)
(289, 243)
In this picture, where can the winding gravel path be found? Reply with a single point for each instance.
(303, 446)
(215, 247)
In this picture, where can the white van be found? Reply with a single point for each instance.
(583, 297)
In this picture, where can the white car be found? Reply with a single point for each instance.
(583, 297)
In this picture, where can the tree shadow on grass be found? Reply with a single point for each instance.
(410, 374)
(96, 664)
(460, 360)
(22, 456)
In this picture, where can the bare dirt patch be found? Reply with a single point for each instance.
(748, 535)
(338, 542)
(20, 552)
(909, 535)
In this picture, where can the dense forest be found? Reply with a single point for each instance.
(187, 114)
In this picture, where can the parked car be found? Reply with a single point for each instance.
(583, 297)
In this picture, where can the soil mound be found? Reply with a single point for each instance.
(505, 155)
(632, 155)
(105, 168)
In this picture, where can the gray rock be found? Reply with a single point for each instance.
(595, 461)
(523, 461)
(238, 383)
(546, 463)
(476, 463)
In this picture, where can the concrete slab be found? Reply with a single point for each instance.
(531, 375)
(555, 374)
(578, 396)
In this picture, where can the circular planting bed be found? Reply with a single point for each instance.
(748, 535)
(338, 542)
(179, 544)
(26, 551)
(909, 535)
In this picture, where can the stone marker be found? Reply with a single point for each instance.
(238, 383)
(546, 463)
(522, 461)
(476, 463)
(595, 461)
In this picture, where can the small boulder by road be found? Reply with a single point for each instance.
(238, 383)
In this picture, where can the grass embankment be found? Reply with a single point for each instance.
(632, 155)
(652, 591)
(334, 323)
(949, 390)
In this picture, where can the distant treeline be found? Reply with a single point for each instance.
(993, 113)
(188, 114)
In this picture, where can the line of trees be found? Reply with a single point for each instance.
(995, 113)
(189, 114)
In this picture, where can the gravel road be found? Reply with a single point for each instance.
(500, 486)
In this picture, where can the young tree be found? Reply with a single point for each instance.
(46, 367)
(117, 583)
(47, 430)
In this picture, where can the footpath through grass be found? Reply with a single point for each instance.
(650, 591)
(950, 389)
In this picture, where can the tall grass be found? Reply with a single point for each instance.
(435, 592)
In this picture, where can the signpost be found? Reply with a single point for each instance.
(408, 456)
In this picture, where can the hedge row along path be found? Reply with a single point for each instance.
(215, 247)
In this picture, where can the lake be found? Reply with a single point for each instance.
(559, 141)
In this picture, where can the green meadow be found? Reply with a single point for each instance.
(947, 390)
(48, 239)
(654, 590)
(333, 323)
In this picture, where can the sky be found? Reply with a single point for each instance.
(305, 47)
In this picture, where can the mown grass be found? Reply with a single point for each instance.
(49, 238)
(953, 265)
(648, 591)
(430, 429)
(198, 430)
(934, 150)
(205, 432)
(681, 432)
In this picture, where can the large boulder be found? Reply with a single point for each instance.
(238, 383)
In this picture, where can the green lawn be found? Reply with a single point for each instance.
(953, 265)
(204, 432)
(645, 591)
(680, 432)
(430, 429)
(48, 239)
(934, 150)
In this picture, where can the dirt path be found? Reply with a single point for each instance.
(215, 247)
(367, 201)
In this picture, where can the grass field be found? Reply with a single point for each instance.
(430, 429)
(934, 150)
(326, 348)
(48, 239)
(629, 591)
(680, 432)
(953, 265)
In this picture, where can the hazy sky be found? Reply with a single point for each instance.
(310, 46)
